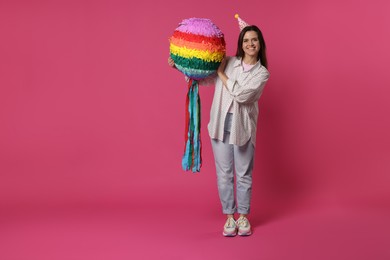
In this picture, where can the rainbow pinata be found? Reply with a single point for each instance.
(197, 46)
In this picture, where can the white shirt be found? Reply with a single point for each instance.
(244, 89)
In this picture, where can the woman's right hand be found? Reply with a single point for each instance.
(222, 66)
(171, 62)
(221, 72)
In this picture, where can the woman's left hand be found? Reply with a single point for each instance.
(171, 62)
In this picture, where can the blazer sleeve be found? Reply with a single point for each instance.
(251, 91)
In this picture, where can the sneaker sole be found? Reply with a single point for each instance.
(247, 233)
(229, 234)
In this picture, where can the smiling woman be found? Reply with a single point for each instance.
(239, 83)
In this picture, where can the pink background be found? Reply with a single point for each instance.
(91, 114)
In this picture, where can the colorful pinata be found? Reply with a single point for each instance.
(197, 47)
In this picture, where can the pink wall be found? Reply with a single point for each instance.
(90, 112)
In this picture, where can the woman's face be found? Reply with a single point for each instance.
(251, 44)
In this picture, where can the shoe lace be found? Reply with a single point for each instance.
(230, 223)
(242, 222)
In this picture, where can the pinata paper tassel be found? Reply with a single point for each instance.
(192, 158)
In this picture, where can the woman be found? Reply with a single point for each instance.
(232, 128)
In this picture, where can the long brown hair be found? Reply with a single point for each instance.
(262, 53)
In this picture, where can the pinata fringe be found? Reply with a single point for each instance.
(192, 158)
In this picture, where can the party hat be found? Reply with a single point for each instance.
(241, 23)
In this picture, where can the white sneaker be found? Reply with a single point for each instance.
(244, 227)
(230, 228)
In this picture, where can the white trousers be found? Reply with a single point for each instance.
(233, 164)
